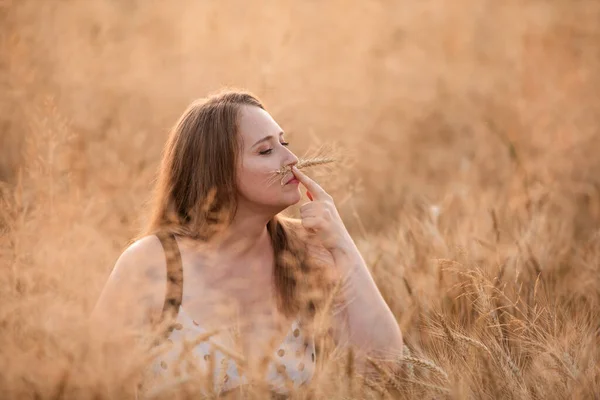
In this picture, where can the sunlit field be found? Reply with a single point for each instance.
(469, 177)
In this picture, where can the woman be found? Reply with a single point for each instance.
(229, 258)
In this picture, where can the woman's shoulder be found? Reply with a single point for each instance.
(143, 253)
(136, 279)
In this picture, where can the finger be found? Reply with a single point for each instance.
(310, 223)
(310, 206)
(316, 191)
(309, 195)
(307, 214)
(311, 209)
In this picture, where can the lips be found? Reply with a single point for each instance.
(290, 179)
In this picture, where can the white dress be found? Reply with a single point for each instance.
(294, 359)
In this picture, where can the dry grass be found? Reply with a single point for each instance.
(473, 191)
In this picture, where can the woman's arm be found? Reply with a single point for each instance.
(134, 293)
(360, 318)
(371, 329)
(130, 300)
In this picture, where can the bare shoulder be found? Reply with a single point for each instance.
(145, 256)
(136, 285)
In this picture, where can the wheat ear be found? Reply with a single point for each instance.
(302, 163)
(306, 163)
(427, 365)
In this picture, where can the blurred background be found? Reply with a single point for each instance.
(470, 131)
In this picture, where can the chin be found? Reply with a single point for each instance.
(293, 198)
(289, 200)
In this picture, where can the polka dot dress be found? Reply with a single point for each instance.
(293, 361)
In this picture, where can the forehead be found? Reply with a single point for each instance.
(254, 124)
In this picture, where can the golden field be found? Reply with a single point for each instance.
(471, 181)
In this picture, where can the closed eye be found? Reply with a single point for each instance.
(269, 151)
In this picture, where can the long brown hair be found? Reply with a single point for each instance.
(195, 193)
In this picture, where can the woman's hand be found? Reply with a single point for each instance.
(364, 307)
(320, 217)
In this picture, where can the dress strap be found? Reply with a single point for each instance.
(174, 288)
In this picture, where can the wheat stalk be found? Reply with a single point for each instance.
(311, 162)
(509, 362)
(436, 388)
(305, 163)
(350, 370)
(375, 386)
(409, 367)
(427, 365)
(301, 164)
(473, 342)
(386, 374)
(561, 363)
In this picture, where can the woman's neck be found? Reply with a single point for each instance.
(246, 235)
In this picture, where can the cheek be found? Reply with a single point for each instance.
(256, 180)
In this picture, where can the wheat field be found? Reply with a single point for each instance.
(470, 132)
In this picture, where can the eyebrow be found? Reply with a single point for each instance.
(266, 138)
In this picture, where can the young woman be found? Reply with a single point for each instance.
(218, 253)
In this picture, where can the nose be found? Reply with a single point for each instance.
(290, 158)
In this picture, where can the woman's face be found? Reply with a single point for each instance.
(263, 151)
